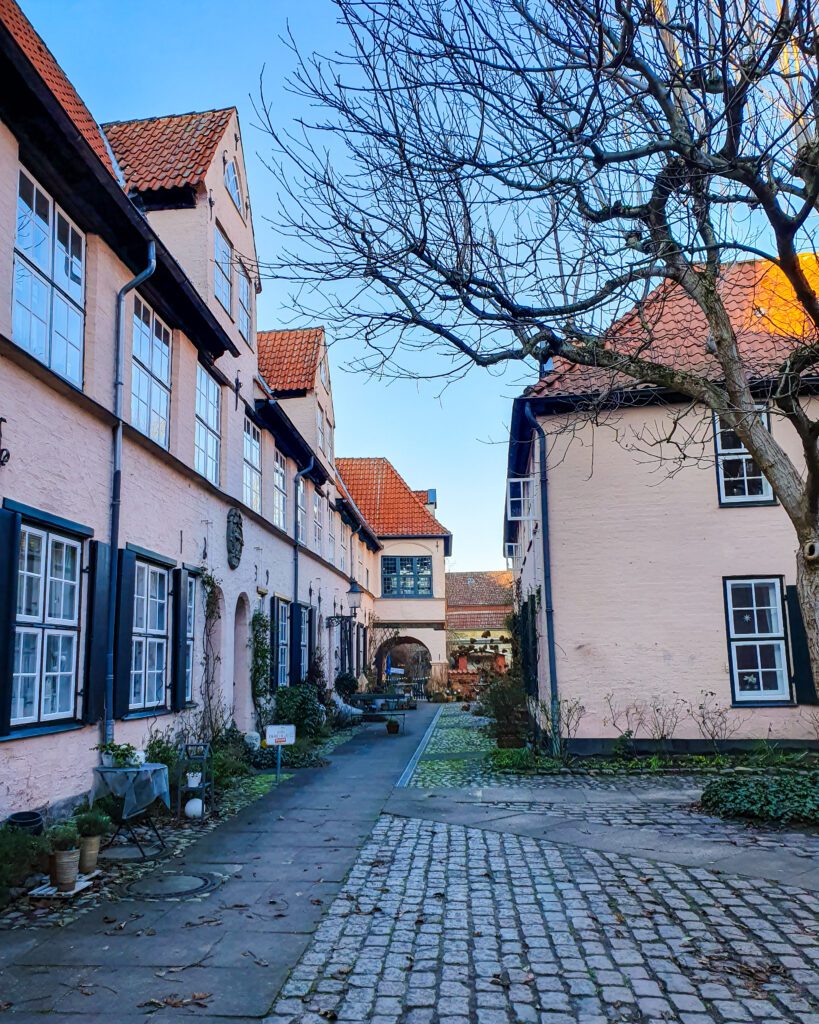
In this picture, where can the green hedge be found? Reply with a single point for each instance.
(781, 796)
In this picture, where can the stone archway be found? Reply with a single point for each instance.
(407, 653)
(243, 712)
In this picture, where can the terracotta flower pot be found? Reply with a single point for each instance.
(89, 851)
(66, 865)
(392, 727)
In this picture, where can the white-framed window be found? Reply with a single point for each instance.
(46, 639)
(223, 268)
(301, 509)
(280, 491)
(283, 644)
(232, 184)
(344, 545)
(190, 637)
(330, 440)
(252, 466)
(48, 318)
(149, 639)
(318, 522)
(150, 374)
(245, 306)
(320, 429)
(304, 642)
(331, 535)
(519, 503)
(740, 480)
(208, 436)
(360, 574)
(756, 638)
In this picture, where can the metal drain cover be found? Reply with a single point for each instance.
(172, 885)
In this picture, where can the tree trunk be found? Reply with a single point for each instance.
(807, 586)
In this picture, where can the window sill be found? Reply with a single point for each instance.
(48, 729)
(779, 703)
(146, 713)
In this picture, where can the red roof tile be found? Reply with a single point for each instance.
(46, 66)
(167, 152)
(476, 589)
(386, 500)
(671, 328)
(486, 619)
(288, 360)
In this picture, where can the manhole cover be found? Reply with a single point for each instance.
(170, 885)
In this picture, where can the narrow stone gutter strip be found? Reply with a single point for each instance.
(406, 775)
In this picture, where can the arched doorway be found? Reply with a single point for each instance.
(405, 659)
(243, 713)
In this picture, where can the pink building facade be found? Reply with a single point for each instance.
(228, 478)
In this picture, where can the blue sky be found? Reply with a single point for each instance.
(172, 56)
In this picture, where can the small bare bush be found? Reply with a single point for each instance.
(715, 721)
(627, 719)
(663, 717)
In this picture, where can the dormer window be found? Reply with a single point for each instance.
(232, 184)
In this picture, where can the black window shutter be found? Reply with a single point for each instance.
(312, 627)
(295, 644)
(96, 639)
(124, 630)
(179, 637)
(274, 643)
(9, 559)
(803, 690)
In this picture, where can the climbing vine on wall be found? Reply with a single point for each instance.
(259, 644)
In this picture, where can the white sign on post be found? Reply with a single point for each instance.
(280, 735)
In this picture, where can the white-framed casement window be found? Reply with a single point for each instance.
(344, 543)
(301, 509)
(739, 478)
(519, 495)
(223, 268)
(280, 491)
(48, 318)
(252, 466)
(232, 184)
(150, 374)
(46, 639)
(190, 637)
(149, 639)
(323, 374)
(318, 522)
(208, 435)
(320, 429)
(331, 535)
(756, 639)
(245, 306)
(283, 644)
(304, 642)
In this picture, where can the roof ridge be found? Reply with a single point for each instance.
(167, 117)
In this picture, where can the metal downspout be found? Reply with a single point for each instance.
(116, 489)
(301, 473)
(547, 580)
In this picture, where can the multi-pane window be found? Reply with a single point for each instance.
(323, 372)
(304, 642)
(344, 543)
(223, 262)
(207, 440)
(318, 521)
(49, 282)
(406, 576)
(301, 509)
(740, 479)
(232, 183)
(320, 429)
(252, 466)
(283, 644)
(360, 574)
(44, 674)
(756, 636)
(190, 636)
(331, 535)
(149, 640)
(150, 374)
(280, 491)
(245, 307)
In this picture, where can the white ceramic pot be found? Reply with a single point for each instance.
(194, 780)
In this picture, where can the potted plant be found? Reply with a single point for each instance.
(64, 841)
(392, 726)
(117, 755)
(91, 826)
(194, 780)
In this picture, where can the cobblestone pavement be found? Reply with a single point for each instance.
(441, 924)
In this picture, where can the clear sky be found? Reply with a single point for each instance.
(158, 57)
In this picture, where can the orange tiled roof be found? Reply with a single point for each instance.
(476, 589)
(288, 360)
(386, 500)
(476, 619)
(46, 66)
(671, 328)
(167, 152)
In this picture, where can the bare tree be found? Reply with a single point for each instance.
(496, 181)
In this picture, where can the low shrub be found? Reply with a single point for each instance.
(230, 757)
(346, 685)
(521, 759)
(20, 854)
(300, 706)
(503, 701)
(92, 823)
(782, 796)
(163, 748)
(302, 754)
(63, 836)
